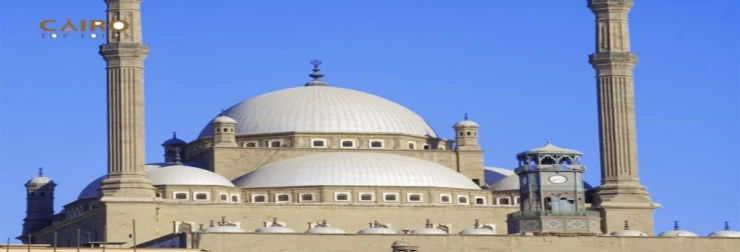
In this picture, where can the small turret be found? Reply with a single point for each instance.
(466, 134)
(223, 131)
(171, 146)
(39, 205)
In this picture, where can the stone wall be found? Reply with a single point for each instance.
(456, 243)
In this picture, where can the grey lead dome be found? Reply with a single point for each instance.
(323, 109)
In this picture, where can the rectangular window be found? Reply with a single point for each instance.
(445, 198)
(462, 200)
(347, 143)
(259, 198)
(181, 195)
(201, 196)
(275, 144)
(390, 197)
(282, 198)
(251, 145)
(307, 197)
(234, 198)
(413, 197)
(366, 196)
(341, 196)
(480, 200)
(376, 144)
(318, 143)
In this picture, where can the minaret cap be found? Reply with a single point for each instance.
(316, 75)
(223, 118)
(465, 123)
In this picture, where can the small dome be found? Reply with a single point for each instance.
(323, 109)
(166, 174)
(376, 228)
(428, 230)
(478, 229)
(465, 123)
(355, 169)
(275, 227)
(224, 229)
(40, 179)
(324, 228)
(401, 243)
(627, 232)
(726, 232)
(511, 182)
(677, 232)
(174, 141)
(223, 119)
(549, 148)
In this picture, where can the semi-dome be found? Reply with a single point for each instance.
(323, 109)
(354, 169)
(376, 228)
(167, 174)
(511, 182)
(324, 228)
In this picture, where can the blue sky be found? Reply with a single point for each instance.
(519, 68)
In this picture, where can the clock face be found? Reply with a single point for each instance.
(524, 181)
(557, 179)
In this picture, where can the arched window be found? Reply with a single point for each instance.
(548, 204)
(234, 198)
(283, 198)
(504, 201)
(348, 144)
(251, 145)
(412, 146)
(480, 201)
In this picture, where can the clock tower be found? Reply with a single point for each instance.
(552, 194)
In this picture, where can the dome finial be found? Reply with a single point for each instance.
(466, 117)
(429, 224)
(211, 223)
(223, 112)
(547, 141)
(223, 221)
(323, 223)
(675, 225)
(477, 223)
(274, 222)
(626, 225)
(41, 171)
(727, 226)
(177, 159)
(174, 135)
(316, 75)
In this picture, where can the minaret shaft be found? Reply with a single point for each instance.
(614, 64)
(620, 196)
(124, 55)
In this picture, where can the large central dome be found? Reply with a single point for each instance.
(323, 109)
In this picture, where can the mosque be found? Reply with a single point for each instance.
(319, 167)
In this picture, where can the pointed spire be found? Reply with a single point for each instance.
(675, 225)
(727, 226)
(177, 159)
(316, 75)
(626, 225)
(41, 171)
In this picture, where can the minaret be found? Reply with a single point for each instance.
(124, 54)
(39, 205)
(620, 196)
(172, 147)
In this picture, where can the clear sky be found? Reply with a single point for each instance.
(519, 68)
